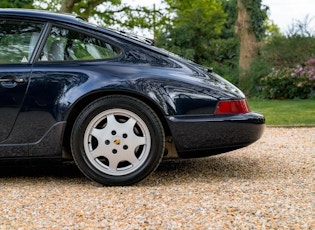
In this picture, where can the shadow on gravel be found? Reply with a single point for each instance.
(169, 171)
(40, 169)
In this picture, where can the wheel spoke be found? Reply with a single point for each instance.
(111, 122)
(129, 125)
(111, 119)
(131, 158)
(137, 141)
(113, 162)
(97, 133)
(100, 151)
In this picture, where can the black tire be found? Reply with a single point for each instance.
(117, 140)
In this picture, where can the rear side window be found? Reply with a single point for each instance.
(70, 45)
(17, 40)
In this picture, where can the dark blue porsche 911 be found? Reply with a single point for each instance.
(112, 102)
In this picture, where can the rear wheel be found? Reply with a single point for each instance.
(117, 140)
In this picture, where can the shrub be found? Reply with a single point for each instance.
(305, 75)
(287, 83)
(259, 69)
(288, 51)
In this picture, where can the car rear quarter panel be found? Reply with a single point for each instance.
(171, 90)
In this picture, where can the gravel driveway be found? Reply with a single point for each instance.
(270, 184)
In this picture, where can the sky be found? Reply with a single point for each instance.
(282, 12)
(285, 12)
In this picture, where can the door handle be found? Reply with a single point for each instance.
(12, 79)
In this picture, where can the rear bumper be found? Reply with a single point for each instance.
(199, 136)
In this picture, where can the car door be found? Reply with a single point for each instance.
(18, 39)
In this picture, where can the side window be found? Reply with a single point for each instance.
(69, 45)
(17, 40)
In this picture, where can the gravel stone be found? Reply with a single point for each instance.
(268, 185)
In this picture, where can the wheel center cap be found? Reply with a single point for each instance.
(117, 142)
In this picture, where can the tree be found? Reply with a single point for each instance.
(88, 8)
(84, 8)
(107, 12)
(301, 28)
(272, 30)
(229, 7)
(16, 4)
(194, 24)
(250, 29)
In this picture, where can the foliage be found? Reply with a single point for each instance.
(87, 9)
(288, 51)
(107, 12)
(230, 8)
(267, 28)
(16, 4)
(305, 75)
(223, 49)
(258, 14)
(259, 69)
(225, 59)
(195, 23)
(279, 85)
(222, 57)
(145, 18)
(289, 83)
(192, 34)
(272, 30)
(281, 53)
(296, 47)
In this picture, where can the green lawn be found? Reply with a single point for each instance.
(285, 112)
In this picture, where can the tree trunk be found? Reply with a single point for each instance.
(67, 6)
(248, 42)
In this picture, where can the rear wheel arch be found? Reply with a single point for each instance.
(85, 101)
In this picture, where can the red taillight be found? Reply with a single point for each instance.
(232, 107)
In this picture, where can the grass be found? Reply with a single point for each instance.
(286, 112)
